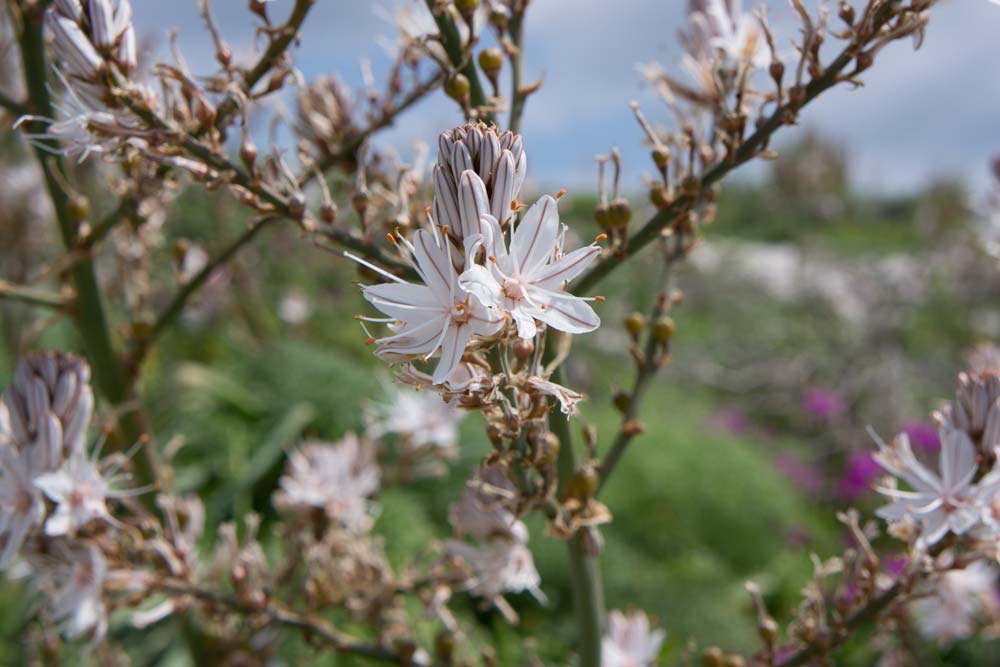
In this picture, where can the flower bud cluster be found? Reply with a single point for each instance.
(50, 491)
(95, 41)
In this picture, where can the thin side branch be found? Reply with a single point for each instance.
(315, 628)
(33, 296)
(275, 50)
(176, 305)
(749, 149)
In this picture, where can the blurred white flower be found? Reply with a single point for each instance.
(482, 513)
(80, 493)
(21, 505)
(630, 642)
(336, 478)
(73, 584)
(498, 567)
(721, 28)
(295, 307)
(421, 419)
(960, 598)
(528, 281)
(942, 502)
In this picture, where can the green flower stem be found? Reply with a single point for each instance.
(452, 41)
(88, 312)
(584, 569)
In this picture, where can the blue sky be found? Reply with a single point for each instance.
(925, 115)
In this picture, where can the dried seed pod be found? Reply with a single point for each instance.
(663, 329)
(457, 88)
(491, 61)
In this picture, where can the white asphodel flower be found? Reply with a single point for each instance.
(528, 280)
(74, 587)
(336, 478)
(498, 567)
(430, 317)
(948, 501)
(960, 598)
(630, 642)
(720, 27)
(21, 504)
(80, 493)
(421, 419)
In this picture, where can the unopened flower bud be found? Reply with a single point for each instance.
(584, 483)
(777, 70)
(360, 202)
(444, 645)
(490, 61)
(635, 322)
(713, 657)
(548, 450)
(663, 329)
(523, 349)
(259, 7)
(457, 88)
(622, 400)
(846, 13)
(734, 661)
(248, 152)
(498, 17)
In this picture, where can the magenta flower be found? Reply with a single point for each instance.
(859, 474)
(823, 403)
(924, 435)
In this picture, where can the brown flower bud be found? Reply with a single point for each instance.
(713, 657)
(777, 70)
(663, 329)
(734, 661)
(846, 13)
(444, 645)
(523, 349)
(548, 450)
(622, 400)
(360, 202)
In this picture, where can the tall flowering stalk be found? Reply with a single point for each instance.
(480, 294)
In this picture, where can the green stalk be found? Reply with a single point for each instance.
(584, 569)
(88, 311)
